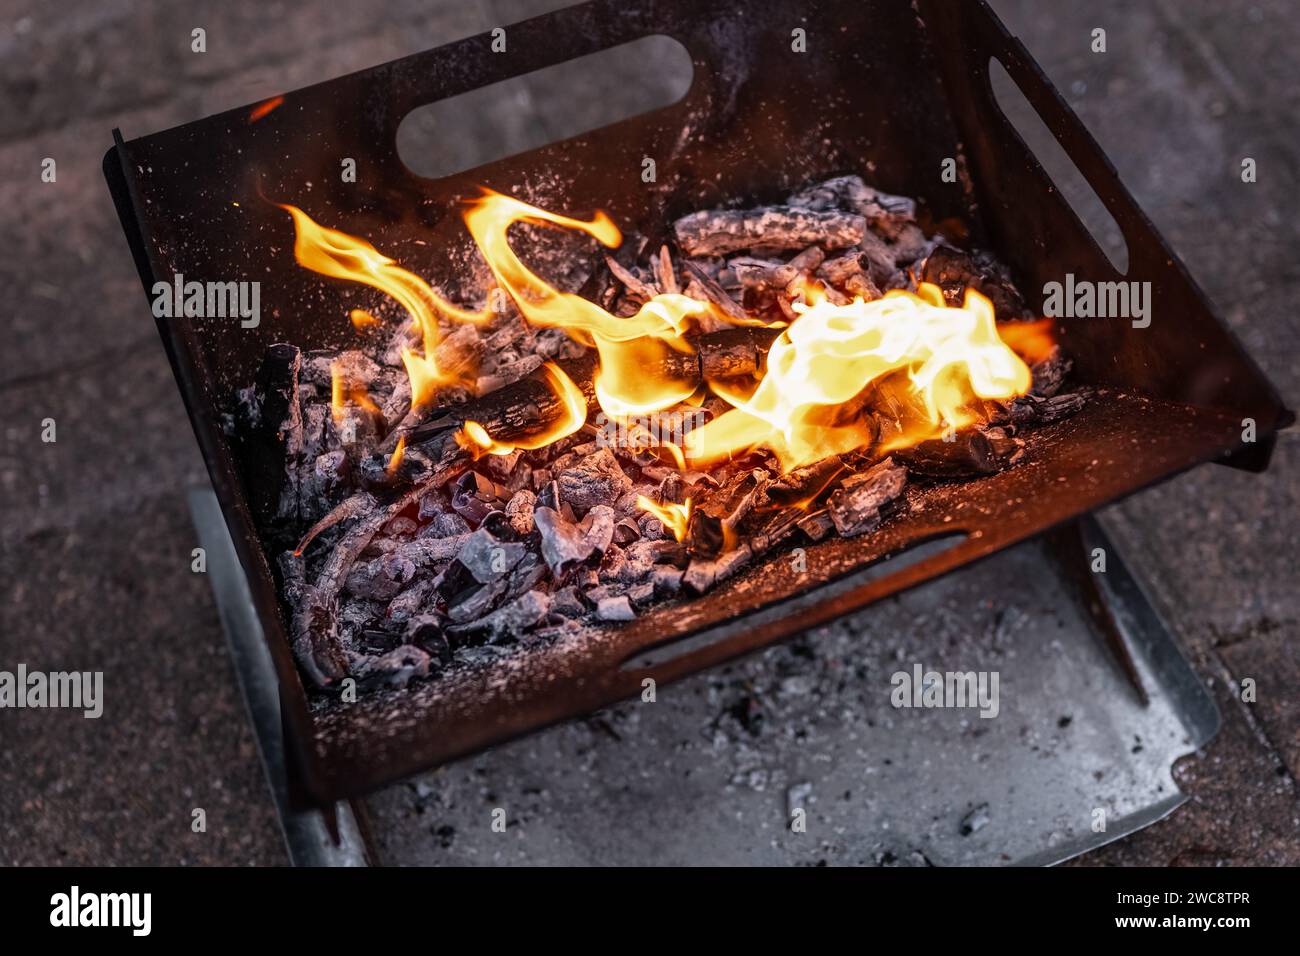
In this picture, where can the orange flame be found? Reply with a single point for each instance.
(475, 438)
(263, 108)
(673, 516)
(395, 459)
(343, 392)
(1032, 341)
(341, 256)
(809, 403)
(628, 347)
(361, 319)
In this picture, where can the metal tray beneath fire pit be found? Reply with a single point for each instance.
(892, 90)
(1072, 736)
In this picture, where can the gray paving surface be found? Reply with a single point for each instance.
(94, 569)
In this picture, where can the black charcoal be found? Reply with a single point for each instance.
(861, 502)
(487, 557)
(519, 511)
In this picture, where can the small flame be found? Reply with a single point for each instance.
(261, 109)
(344, 392)
(361, 319)
(395, 459)
(475, 438)
(673, 516)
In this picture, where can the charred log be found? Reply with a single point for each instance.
(955, 271)
(887, 214)
(806, 483)
(715, 519)
(716, 294)
(528, 406)
(816, 525)
(967, 453)
(1032, 410)
(862, 501)
(720, 232)
(1050, 373)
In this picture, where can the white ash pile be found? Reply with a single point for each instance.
(404, 556)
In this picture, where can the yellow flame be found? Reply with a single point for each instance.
(475, 438)
(361, 319)
(937, 359)
(344, 392)
(830, 353)
(341, 256)
(395, 459)
(673, 516)
(673, 449)
(629, 347)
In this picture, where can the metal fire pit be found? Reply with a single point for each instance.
(890, 90)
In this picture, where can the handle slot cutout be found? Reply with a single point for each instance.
(1064, 174)
(545, 106)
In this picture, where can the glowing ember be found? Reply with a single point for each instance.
(262, 109)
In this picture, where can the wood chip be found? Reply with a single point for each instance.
(667, 274)
(703, 573)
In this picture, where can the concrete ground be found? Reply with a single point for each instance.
(95, 540)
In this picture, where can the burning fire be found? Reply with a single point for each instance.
(913, 350)
(340, 256)
(628, 347)
(395, 459)
(475, 438)
(674, 517)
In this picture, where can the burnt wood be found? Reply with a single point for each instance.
(719, 232)
(528, 406)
